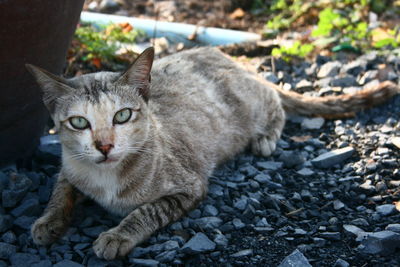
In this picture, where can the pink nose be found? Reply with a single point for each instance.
(104, 149)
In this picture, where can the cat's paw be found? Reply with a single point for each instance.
(264, 145)
(112, 244)
(47, 229)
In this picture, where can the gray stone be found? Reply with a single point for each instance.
(329, 69)
(242, 253)
(382, 243)
(23, 259)
(144, 262)
(304, 85)
(6, 250)
(368, 76)
(5, 222)
(210, 210)
(221, 240)
(263, 223)
(337, 204)
(351, 89)
(333, 157)
(312, 123)
(216, 190)
(341, 263)
(386, 209)
(241, 204)
(9, 237)
(269, 165)
(295, 259)
(199, 243)
(262, 178)
(30, 207)
(355, 67)
(395, 227)
(291, 159)
(24, 222)
(238, 224)
(94, 231)
(331, 235)
(208, 223)
(345, 81)
(166, 256)
(67, 263)
(305, 172)
(270, 76)
(42, 263)
(360, 222)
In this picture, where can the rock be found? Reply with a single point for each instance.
(305, 172)
(329, 69)
(242, 253)
(208, 223)
(108, 6)
(262, 178)
(270, 76)
(386, 209)
(199, 243)
(345, 81)
(42, 263)
(337, 205)
(312, 123)
(341, 263)
(238, 224)
(9, 237)
(396, 141)
(210, 210)
(333, 157)
(360, 222)
(382, 243)
(67, 263)
(19, 186)
(144, 262)
(291, 159)
(331, 235)
(355, 67)
(354, 230)
(30, 207)
(393, 227)
(6, 250)
(221, 240)
(23, 259)
(295, 259)
(368, 76)
(269, 165)
(304, 85)
(24, 222)
(166, 256)
(94, 231)
(5, 222)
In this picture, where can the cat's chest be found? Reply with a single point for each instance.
(105, 188)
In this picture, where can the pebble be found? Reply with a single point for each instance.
(6, 250)
(386, 209)
(24, 259)
(333, 157)
(341, 263)
(383, 243)
(312, 123)
(144, 262)
(395, 227)
(269, 165)
(294, 260)
(242, 253)
(199, 243)
(345, 81)
(329, 69)
(337, 205)
(305, 172)
(271, 77)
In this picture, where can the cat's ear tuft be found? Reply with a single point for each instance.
(138, 74)
(52, 85)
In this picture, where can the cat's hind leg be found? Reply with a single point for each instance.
(264, 143)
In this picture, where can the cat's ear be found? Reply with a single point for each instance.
(52, 85)
(138, 74)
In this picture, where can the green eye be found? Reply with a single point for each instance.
(79, 123)
(122, 116)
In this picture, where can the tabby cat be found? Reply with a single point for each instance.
(143, 145)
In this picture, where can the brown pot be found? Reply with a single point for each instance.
(36, 32)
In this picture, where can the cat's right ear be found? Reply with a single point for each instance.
(52, 86)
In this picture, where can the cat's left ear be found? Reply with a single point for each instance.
(138, 75)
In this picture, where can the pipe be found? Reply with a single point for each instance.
(176, 31)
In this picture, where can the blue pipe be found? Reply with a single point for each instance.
(204, 35)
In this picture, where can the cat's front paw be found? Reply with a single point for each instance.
(47, 229)
(112, 244)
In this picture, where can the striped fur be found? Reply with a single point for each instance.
(199, 110)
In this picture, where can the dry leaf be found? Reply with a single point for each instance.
(237, 14)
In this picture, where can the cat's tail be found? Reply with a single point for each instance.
(337, 106)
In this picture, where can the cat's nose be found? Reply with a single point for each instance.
(104, 149)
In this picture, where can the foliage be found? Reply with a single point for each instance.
(98, 45)
(339, 24)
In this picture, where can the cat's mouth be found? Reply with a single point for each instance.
(106, 160)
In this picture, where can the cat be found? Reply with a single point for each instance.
(143, 143)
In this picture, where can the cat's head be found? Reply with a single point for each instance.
(101, 117)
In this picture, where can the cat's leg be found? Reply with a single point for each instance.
(143, 222)
(57, 215)
(265, 143)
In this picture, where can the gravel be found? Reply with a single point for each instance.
(326, 197)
